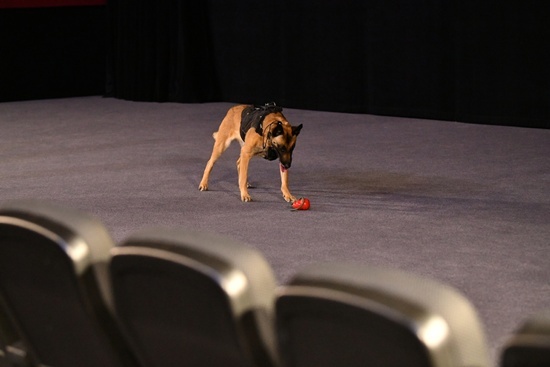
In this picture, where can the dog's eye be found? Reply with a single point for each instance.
(280, 148)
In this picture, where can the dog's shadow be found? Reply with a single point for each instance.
(347, 182)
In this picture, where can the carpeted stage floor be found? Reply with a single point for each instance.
(468, 205)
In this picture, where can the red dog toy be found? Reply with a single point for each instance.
(301, 204)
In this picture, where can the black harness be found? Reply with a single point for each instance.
(253, 117)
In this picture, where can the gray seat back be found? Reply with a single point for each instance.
(355, 315)
(191, 299)
(53, 279)
(529, 346)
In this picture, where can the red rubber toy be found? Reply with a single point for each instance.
(301, 204)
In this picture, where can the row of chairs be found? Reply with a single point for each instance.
(166, 298)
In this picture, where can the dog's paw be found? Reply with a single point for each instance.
(289, 198)
(203, 187)
(246, 198)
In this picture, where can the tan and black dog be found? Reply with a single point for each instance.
(262, 131)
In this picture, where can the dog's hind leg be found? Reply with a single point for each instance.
(220, 145)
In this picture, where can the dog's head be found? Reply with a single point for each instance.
(280, 142)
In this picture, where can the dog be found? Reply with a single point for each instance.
(262, 131)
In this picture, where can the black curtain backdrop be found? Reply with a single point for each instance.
(465, 60)
(52, 52)
(161, 51)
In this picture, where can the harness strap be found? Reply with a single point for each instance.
(254, 115)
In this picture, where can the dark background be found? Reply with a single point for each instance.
(470, 61)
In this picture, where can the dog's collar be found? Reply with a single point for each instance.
(268, 137)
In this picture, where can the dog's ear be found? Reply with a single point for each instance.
(296, 129)
(277, 130)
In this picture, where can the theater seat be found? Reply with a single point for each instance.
(354, 315)
(530, 344)
(7, 333)
(191, 299)
(13, 352)
(53, 281)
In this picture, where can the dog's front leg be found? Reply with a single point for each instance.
(284, 185)
(242, 169)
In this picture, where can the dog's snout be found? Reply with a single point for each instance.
(286, 165)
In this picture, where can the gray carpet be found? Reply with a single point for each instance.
(468, 205)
